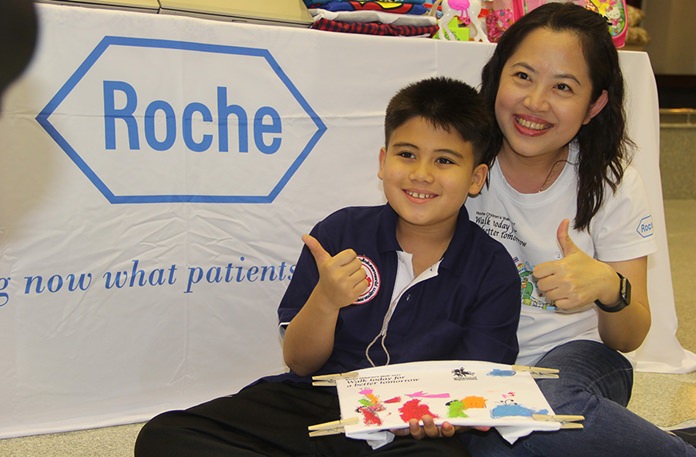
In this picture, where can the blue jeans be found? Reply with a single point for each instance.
(595, 381)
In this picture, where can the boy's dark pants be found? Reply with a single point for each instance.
(270, 419)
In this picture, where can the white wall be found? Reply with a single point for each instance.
(672, 28)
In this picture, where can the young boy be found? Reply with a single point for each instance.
(411, 280)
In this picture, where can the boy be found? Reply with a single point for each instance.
(411, 280)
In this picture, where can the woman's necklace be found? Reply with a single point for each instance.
(548, 176)
(523, 183)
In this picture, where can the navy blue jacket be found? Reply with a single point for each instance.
(469, 311)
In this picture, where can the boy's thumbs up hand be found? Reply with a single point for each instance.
(570, 281)
(318, 252)
(342, 278)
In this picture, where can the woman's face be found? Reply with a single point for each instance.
(544, 96)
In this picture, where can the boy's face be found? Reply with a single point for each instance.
(428, 173)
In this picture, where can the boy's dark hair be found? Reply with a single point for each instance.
(448, 104)
(603, 141)
(18, 30)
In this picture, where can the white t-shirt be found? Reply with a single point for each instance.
(526, 224)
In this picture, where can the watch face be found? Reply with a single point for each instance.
(625, 291)
(624, 297)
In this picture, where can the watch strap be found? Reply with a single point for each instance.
(624, 297)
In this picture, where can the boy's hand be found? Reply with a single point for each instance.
(342, 278)
(430, 430)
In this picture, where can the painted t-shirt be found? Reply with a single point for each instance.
(526, 224)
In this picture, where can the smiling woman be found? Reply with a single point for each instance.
(562, 179)
(542, 101)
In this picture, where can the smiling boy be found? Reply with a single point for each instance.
(411, 280)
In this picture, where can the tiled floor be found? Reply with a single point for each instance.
(664, 399)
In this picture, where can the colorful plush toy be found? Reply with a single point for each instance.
(504, 12)
(468, 11)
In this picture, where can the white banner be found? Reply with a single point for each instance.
(157, 174)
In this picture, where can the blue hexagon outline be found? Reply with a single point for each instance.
(640, 223)
(43, 119)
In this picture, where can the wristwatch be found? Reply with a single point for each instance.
(624, 297)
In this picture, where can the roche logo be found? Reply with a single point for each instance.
(151, 121)
(645, 227)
